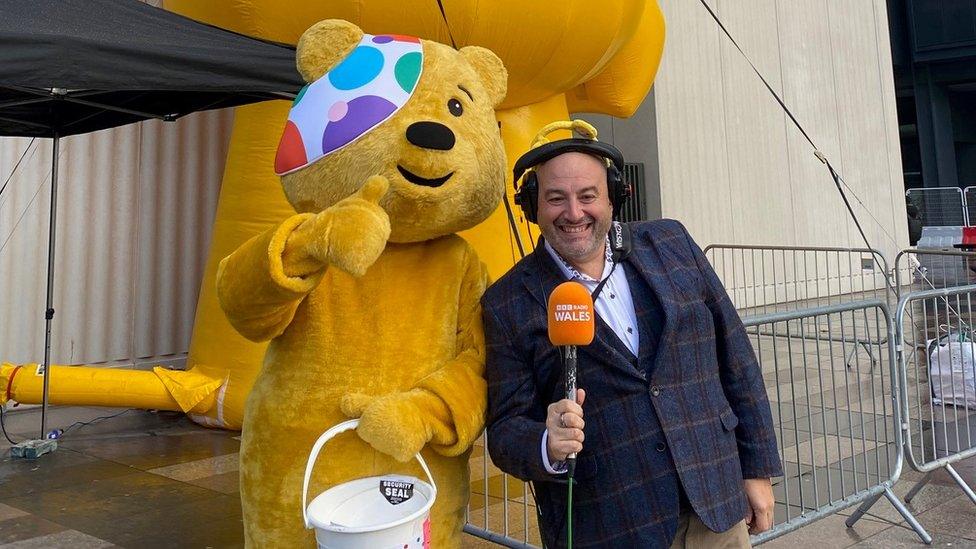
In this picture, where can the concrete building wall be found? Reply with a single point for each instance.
(721, 155)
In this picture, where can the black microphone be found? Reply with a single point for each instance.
(571, 323)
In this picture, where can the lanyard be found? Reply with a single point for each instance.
(599, 287)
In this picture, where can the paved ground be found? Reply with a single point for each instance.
(146, 480)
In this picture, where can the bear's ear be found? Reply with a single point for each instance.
(491, 70)
(324, 45)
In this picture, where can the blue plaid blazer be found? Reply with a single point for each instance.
(699, 423)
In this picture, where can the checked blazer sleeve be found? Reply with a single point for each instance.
(516, 420)
(741, 377)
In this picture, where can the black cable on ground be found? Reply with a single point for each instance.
(89, 422)
(4, 428)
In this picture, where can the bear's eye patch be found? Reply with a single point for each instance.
(455, 107)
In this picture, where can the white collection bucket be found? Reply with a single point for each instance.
(375, 512)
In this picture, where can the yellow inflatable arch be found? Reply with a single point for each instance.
(571, 56)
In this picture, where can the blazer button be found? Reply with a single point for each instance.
(660, 447)
(655, 391)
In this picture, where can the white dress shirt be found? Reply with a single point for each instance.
(615, 305)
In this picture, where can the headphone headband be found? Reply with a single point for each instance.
(542, 150)
(548, 151)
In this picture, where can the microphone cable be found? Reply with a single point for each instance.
(571, 464)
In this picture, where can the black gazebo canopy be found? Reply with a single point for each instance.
(75, 66)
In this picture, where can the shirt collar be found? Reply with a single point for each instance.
(571, 273)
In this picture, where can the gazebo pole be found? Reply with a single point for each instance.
(49, 310)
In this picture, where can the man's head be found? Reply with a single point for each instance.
(574, 209)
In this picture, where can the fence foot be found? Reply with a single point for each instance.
(853, 353)
(918, 487)
(874, 359)
(908, 516)
(850, 356)
(856, 516)
(962, 483)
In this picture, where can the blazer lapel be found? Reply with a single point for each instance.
(543, 276)
(542, 279)
(648, 263)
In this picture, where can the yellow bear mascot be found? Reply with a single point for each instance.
(370, 300)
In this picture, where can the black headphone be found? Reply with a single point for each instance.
(527, 192)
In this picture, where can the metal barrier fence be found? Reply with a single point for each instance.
(766, 279)
(501, 509)
(932, 269)
(837, 424)
(938, 380)
(969, 198)
(940, 206)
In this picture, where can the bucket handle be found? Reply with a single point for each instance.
(317, 447)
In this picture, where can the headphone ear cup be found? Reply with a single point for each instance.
(528, 196)
(618, 189)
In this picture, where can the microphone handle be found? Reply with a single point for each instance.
(570, 363)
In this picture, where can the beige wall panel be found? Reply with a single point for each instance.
(893, 173)
(830, 61)
(759, 168)
(690, 109)
(808, 82)
(729, 162)
(23, 204)
(862, 121)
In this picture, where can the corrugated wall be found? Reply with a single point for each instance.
(135, 209)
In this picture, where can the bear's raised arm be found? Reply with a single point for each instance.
(261, 284)
(255, 292)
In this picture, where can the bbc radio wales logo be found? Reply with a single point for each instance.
(571, 312)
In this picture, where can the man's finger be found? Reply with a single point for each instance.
(571, 420)
(569, 407)
(567, 447)
(566, 433)
(374, 189)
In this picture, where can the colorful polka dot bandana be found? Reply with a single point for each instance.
(371, 84)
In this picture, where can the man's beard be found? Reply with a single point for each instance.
(559, 240)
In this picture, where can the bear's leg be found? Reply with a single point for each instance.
(271, 482)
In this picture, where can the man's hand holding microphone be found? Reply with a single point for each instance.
(565, 424)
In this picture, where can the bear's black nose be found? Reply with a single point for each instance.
(431, 135)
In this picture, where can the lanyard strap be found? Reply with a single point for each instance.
(599, 287)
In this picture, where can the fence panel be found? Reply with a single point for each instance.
(836, 415)
(836, 419)
(969, 198)
(919, 269)
(938, 371)
(501, 509)
(940, 206)
(767, 279)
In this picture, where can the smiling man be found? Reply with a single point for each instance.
(675, 439)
